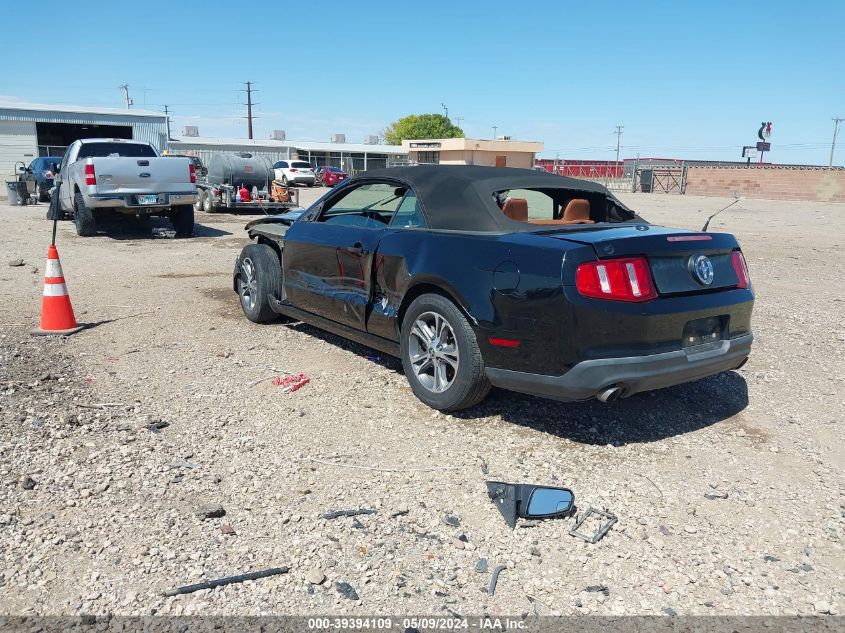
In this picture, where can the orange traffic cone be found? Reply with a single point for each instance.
(56, 311)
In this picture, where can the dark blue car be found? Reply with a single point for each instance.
(39, 176)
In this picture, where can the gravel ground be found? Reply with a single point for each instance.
(153, 450)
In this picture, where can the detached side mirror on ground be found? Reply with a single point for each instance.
(529, 501)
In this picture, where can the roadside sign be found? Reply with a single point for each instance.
(749, 151)
(764, 146)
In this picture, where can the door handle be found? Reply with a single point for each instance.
(357, 249)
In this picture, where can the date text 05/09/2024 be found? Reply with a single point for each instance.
(416, 623)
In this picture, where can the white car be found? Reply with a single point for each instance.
(294, 172)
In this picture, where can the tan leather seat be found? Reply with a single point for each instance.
(516, 209)
(577, 212)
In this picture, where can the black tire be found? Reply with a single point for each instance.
(42, 194)
(200, 203)
(259, 278)
(182, 217)
(83, 217)
(469, 384)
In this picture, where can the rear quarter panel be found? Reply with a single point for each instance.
(505, 284)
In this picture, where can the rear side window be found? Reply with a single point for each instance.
(122, 150)
(300, 165)
(409, 215)
(282, 164)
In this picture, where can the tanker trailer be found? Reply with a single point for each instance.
(232, 173)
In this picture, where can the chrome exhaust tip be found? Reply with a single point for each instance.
(609, 394)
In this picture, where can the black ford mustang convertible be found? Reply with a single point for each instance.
(477, 276)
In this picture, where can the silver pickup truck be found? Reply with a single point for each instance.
(98, 176)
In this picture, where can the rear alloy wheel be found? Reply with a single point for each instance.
(259, 278)
(440, 355)
(182, 217)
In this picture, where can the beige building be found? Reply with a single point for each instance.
(470, 151)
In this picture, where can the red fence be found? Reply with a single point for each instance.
(597, 169)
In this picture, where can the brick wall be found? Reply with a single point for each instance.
(769, 182)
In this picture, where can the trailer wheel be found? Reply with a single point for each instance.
(199, 205)
(209, 202)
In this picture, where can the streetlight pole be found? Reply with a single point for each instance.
(495, 127)
(836, 121)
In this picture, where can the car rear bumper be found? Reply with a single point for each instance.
(632, 374)
(130, 201)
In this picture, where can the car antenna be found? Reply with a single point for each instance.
(706, 224)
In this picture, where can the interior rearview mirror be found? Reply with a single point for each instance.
(529, 501)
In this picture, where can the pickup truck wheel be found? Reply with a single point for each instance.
(86, 224)
(182, 217)
(440, 355)
(259, 278)
(200, 203)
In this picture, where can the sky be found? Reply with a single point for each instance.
(686, 79)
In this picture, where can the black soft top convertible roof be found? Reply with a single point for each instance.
(460, 197)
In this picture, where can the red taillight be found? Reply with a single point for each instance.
(624, 279)
(90, 176)
(192, 170)
(741, 269)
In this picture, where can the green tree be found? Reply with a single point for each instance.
(415, 126)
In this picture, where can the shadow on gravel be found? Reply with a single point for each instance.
(644, 417)
(132, 228)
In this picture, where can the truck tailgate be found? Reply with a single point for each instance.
(143, 175)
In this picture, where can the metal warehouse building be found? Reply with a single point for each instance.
(353, 157)
(29, 130)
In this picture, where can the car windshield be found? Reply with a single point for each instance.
(123, 150)
(301, 165)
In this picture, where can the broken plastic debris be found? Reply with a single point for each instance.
(291, 383)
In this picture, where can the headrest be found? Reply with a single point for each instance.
(577, 212)
(516, 209)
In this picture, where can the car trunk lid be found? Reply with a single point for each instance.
(671, 253)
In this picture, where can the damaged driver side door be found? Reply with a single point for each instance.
(328, 259)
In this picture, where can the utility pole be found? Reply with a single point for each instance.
(445, 108)
(125, 88)
(167, 118)
(836, 121)
(495, 127)
(458, 120)
(618, 133)
(249, 105)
